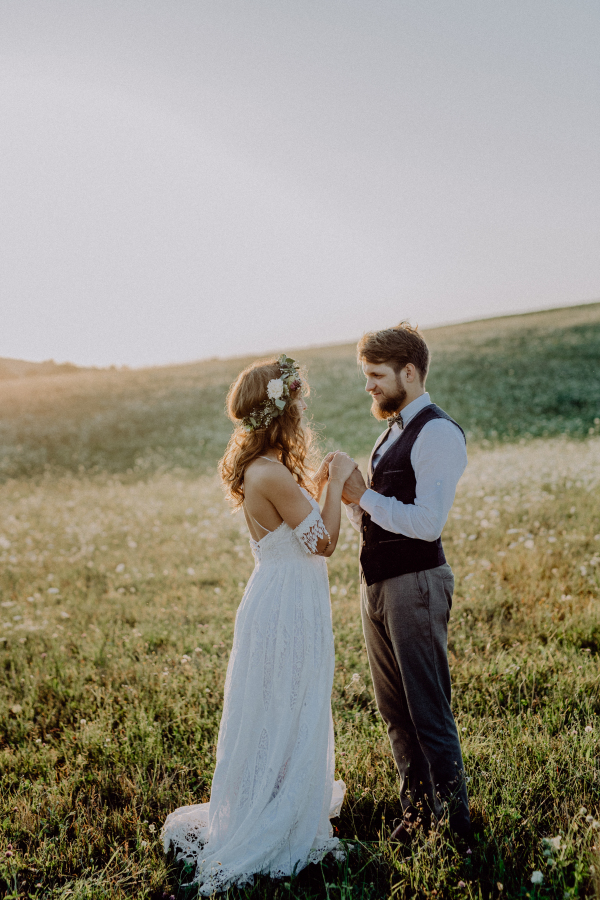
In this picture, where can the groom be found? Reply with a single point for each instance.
(406, 583)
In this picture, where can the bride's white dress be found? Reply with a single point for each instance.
(273, 790)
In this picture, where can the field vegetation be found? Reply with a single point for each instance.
(119, 584)
(503, 379)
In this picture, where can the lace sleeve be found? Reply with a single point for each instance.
(310, 531)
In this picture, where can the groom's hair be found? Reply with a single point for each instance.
(395, 347)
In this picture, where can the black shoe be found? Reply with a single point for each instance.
(403, 833)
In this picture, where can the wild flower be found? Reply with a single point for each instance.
(551, 845)
(537, 877)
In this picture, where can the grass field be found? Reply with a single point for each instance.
(118, 595)
(502, 379)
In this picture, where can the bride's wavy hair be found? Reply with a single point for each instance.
(287, 434)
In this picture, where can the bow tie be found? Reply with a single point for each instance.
(396, 420)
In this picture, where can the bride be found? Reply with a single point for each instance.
(273, 790)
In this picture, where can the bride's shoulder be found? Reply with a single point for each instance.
(268, 471)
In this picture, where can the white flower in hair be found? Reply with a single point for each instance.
(275, 388)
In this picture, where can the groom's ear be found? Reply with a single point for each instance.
(410, 372)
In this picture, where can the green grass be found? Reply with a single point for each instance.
(117, 600)
(104, 729)
(520, 376)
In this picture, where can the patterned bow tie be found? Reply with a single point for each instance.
(396, 420)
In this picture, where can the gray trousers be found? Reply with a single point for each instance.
(405, 623)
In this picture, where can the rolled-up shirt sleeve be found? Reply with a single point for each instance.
(354, 513)
(438, 457)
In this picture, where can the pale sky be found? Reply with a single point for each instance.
(187, 179)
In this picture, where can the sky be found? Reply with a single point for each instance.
(194, 178)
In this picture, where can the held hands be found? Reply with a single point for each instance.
(322, 473)
(354, 487)
(341, 467)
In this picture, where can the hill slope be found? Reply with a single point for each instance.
(502, 379)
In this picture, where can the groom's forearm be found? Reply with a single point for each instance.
(424, 519)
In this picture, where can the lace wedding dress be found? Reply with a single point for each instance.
(273, 790)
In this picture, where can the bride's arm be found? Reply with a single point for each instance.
(340, 467)
(322, 474)
(279, 488)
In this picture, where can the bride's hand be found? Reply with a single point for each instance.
(322, 472)
(341, 466)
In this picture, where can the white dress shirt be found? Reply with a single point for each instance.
(438, 457)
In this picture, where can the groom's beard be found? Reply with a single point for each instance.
(384, 407)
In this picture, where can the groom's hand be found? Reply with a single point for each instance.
(354, 488)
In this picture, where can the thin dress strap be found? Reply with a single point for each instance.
(268, 530)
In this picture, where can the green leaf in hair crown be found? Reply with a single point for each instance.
(279, 395)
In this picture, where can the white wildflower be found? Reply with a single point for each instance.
(550, 845)
(537, 877)
(275, 388)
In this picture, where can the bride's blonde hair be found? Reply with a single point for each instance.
(287, 434)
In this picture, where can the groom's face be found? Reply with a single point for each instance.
(385, 388)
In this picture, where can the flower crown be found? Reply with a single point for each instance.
(279, 393)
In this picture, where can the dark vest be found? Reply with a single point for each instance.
(384, 554)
